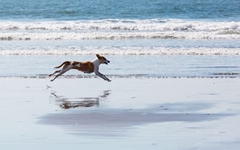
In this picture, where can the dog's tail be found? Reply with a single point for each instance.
(65, 62)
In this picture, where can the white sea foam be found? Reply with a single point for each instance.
(124, 51)
(119, 29)
(45, 76)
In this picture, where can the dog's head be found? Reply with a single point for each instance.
(102, 59)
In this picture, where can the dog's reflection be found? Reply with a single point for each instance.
(67, 103)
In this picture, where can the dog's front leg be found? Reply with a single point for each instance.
(102, 76)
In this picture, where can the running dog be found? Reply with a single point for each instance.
(86, 67)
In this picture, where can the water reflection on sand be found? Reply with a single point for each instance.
(68, 103)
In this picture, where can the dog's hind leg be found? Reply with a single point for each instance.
(54, 73)
(65, 69)
(58, 75)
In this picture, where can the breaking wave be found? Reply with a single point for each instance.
(125, 51)
(119, 29)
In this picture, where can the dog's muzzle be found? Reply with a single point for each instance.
(106, 62)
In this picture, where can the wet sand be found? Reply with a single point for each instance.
(127, 113)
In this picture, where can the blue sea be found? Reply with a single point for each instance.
(142, 38)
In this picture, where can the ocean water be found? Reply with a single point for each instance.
(142, 38)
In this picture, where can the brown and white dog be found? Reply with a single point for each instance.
(86, 67)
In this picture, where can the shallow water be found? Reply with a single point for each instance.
(126, 66)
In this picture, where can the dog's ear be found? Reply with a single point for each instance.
(98, 56)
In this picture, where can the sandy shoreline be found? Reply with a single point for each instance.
(128, 113)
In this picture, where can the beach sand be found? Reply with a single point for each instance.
(127, 113)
